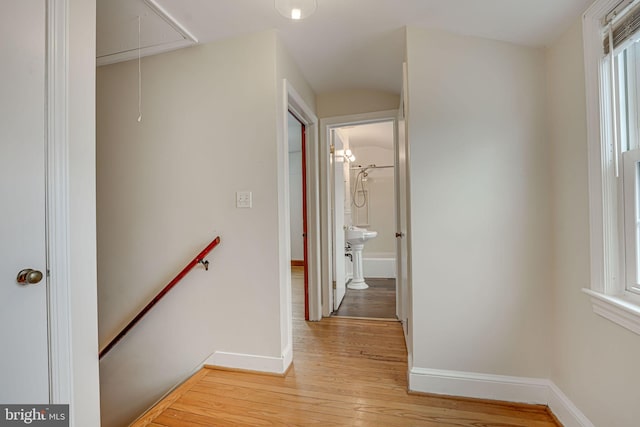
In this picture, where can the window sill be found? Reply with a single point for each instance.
(618, 309)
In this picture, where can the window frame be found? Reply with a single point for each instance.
(609, 295)
(631, 189)
(630, 72)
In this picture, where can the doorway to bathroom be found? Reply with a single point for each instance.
(368, 214)
(361, 216)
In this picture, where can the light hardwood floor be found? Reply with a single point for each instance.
(346, 372)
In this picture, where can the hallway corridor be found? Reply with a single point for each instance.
(346, 372)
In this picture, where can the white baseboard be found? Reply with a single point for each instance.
(564, 409)
(251, 362)
(287, 359)
(499, 387)
(481, 386)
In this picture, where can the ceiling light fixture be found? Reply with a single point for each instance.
(295, 9)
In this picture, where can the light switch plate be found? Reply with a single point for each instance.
(243, 199)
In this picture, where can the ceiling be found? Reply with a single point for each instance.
(346, 44)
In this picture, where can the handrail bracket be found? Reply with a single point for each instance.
(205, 263)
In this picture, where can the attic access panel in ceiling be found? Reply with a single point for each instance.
(117, 30)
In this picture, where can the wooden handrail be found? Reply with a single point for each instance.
(198, 259)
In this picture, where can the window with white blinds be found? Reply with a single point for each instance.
(625, 24)
(623, 84)
(611, 32)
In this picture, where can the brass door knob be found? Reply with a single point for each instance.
(29, 276)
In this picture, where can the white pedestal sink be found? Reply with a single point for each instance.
(357, 237)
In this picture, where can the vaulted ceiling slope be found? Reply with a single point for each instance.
(346, 44)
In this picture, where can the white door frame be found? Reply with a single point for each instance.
(403, 215)
(57, 204)
(303, 112)
(336, 182)
(326, 125)
(291, 100)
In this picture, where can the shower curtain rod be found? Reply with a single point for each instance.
(371, 167)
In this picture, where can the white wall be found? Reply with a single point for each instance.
(82, 211)
(295, 204)
(355, 101)
(595, 361)
(381, 201)
(287, 68)
(166, 188)
(479, 205)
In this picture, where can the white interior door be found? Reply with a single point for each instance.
(339, 264)
(402, 218)
(24, 372)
